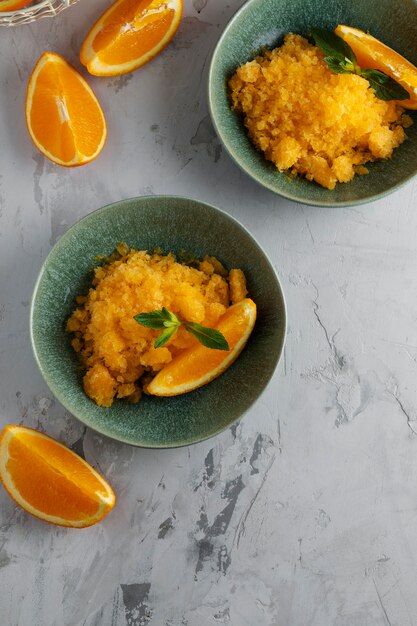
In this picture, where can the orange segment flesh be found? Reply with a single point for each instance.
(373, 54)
(50, 481)
(199, 365)
(64, 117)
(129, 34)
(12, 5)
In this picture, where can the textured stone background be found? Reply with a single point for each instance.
(306, 512)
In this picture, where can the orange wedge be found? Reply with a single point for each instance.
(50, 481)
(373, 54)
(198, 365)
(12, 5)
(63, 116)
(129, 34)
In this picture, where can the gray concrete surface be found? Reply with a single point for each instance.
(305, 514)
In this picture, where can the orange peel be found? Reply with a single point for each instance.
(63, 116)
(12, 5)
(373, 54)
(50, 481)
(129, 34)
(199, 365)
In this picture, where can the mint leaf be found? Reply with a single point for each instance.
(209, 337)
(158, 319)
(339, 66)
(333, 46)
(170, 319)
(165, 336)
(385, 87)
(341, 59)
(169, 323)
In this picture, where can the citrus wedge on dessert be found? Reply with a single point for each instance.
(129, 34)
(63, 116)
(50, 481)
(199, 365)
(12, 5)
(373, 54)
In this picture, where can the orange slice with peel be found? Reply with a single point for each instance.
(63, 116)
(198, 365)
(373, 54)
(13, 5)
(50, 481)
(129, 34)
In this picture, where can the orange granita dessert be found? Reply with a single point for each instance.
(118, 354)
(310, 121)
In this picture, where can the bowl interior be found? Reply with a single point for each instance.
(177, 225)
(262, 23)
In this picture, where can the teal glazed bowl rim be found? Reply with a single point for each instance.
(87, 411)
(232, 133)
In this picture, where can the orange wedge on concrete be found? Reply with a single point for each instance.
(129, 34)
(373, 54)
(198, 365)
(63, 116)
(50, 481)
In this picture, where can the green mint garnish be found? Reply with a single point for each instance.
(334, 46)
(385, 87)
(341, 59)
(165, 336)
(158, 319)
(340, 66)
(169, 323)
(209, 337)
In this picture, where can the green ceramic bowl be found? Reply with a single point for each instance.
(174, 224)
(261, 23)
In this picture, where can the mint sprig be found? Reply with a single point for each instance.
(385, 88)
(169, 323)
(158, 319)
(209, 337)
(334, 47)
(165, 336)
(341, 59)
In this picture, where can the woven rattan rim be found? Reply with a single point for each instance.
(45, 8)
